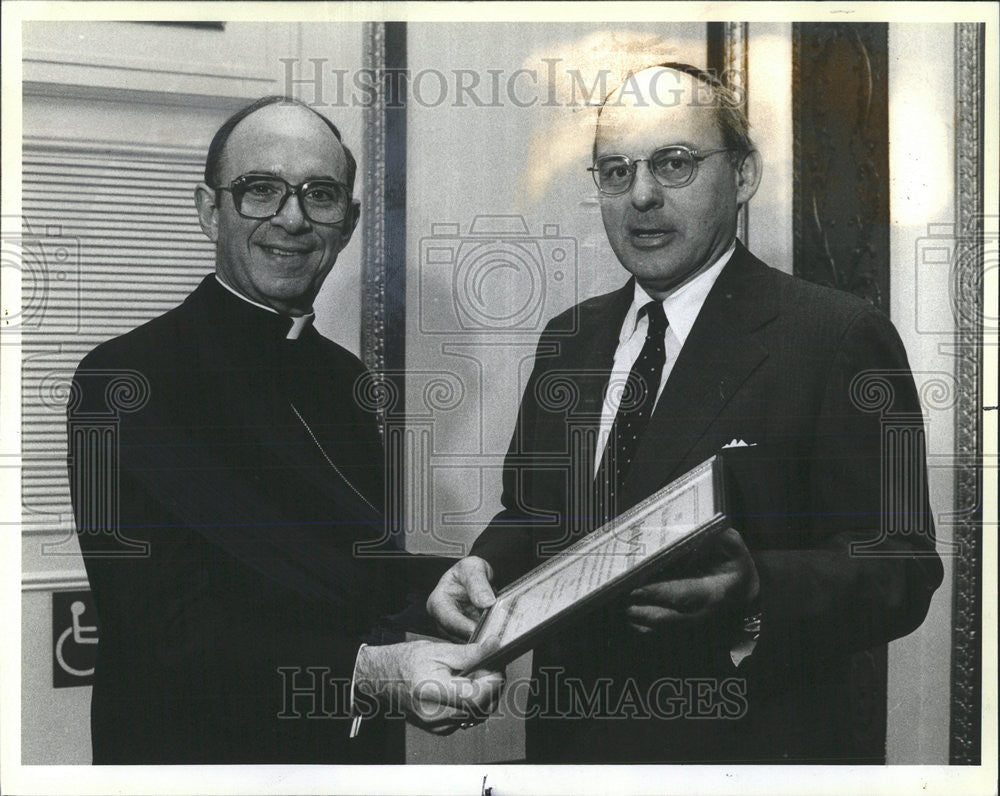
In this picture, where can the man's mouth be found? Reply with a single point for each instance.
(649, 237)
(285, 251)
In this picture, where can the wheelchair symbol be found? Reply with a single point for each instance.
(77, 632)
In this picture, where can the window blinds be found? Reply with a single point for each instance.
(109, 240)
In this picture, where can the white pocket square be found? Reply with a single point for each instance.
(739, 443)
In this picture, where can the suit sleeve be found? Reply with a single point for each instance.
(865, 567)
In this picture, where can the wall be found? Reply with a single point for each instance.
(320, 50)
(922, 190)
(769, 109)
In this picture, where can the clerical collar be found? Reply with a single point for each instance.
(299, 322)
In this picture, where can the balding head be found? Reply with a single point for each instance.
(216, 150)
(671, 84)
(283, 138)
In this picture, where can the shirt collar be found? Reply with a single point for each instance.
(299, 322)
(683, 305)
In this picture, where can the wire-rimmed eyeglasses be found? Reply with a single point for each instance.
(671, 166)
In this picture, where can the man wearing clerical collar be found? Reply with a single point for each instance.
(241, 620)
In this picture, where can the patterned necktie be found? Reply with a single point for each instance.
(634, 411)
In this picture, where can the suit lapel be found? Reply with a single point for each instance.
(590, 363)
(574, 360)
(719, 354)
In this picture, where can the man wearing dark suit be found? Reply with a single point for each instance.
(743, 654)
(239, 572)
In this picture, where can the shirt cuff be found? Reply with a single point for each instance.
(741, 651)
(356, 721)
(744, 648)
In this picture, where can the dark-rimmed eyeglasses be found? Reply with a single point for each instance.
(262, 196)
(671, 166)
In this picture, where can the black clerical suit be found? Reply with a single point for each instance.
(769, 362)
(249, 472)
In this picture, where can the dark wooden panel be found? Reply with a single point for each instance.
(841, 156)
(840, 124)
(395, 196)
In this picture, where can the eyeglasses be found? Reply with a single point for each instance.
(671, 166)
(263, 196)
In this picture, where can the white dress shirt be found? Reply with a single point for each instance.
(681, 308)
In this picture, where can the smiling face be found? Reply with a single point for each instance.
(665, 236)
(280, 262)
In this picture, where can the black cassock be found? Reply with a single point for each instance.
(249, 474)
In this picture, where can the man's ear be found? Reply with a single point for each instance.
(748, 177)
(208, 211)
(350, 223)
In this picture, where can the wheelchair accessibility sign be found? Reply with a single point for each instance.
(74, 638)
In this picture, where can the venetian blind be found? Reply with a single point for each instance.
(109, 240)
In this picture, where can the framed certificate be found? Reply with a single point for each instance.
(602, 565)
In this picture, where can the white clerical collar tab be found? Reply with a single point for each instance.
(299, 322)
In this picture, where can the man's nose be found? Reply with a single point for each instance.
(647, 193)
(291, 218)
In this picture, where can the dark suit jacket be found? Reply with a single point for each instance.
(246, 572)
(770, 360)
